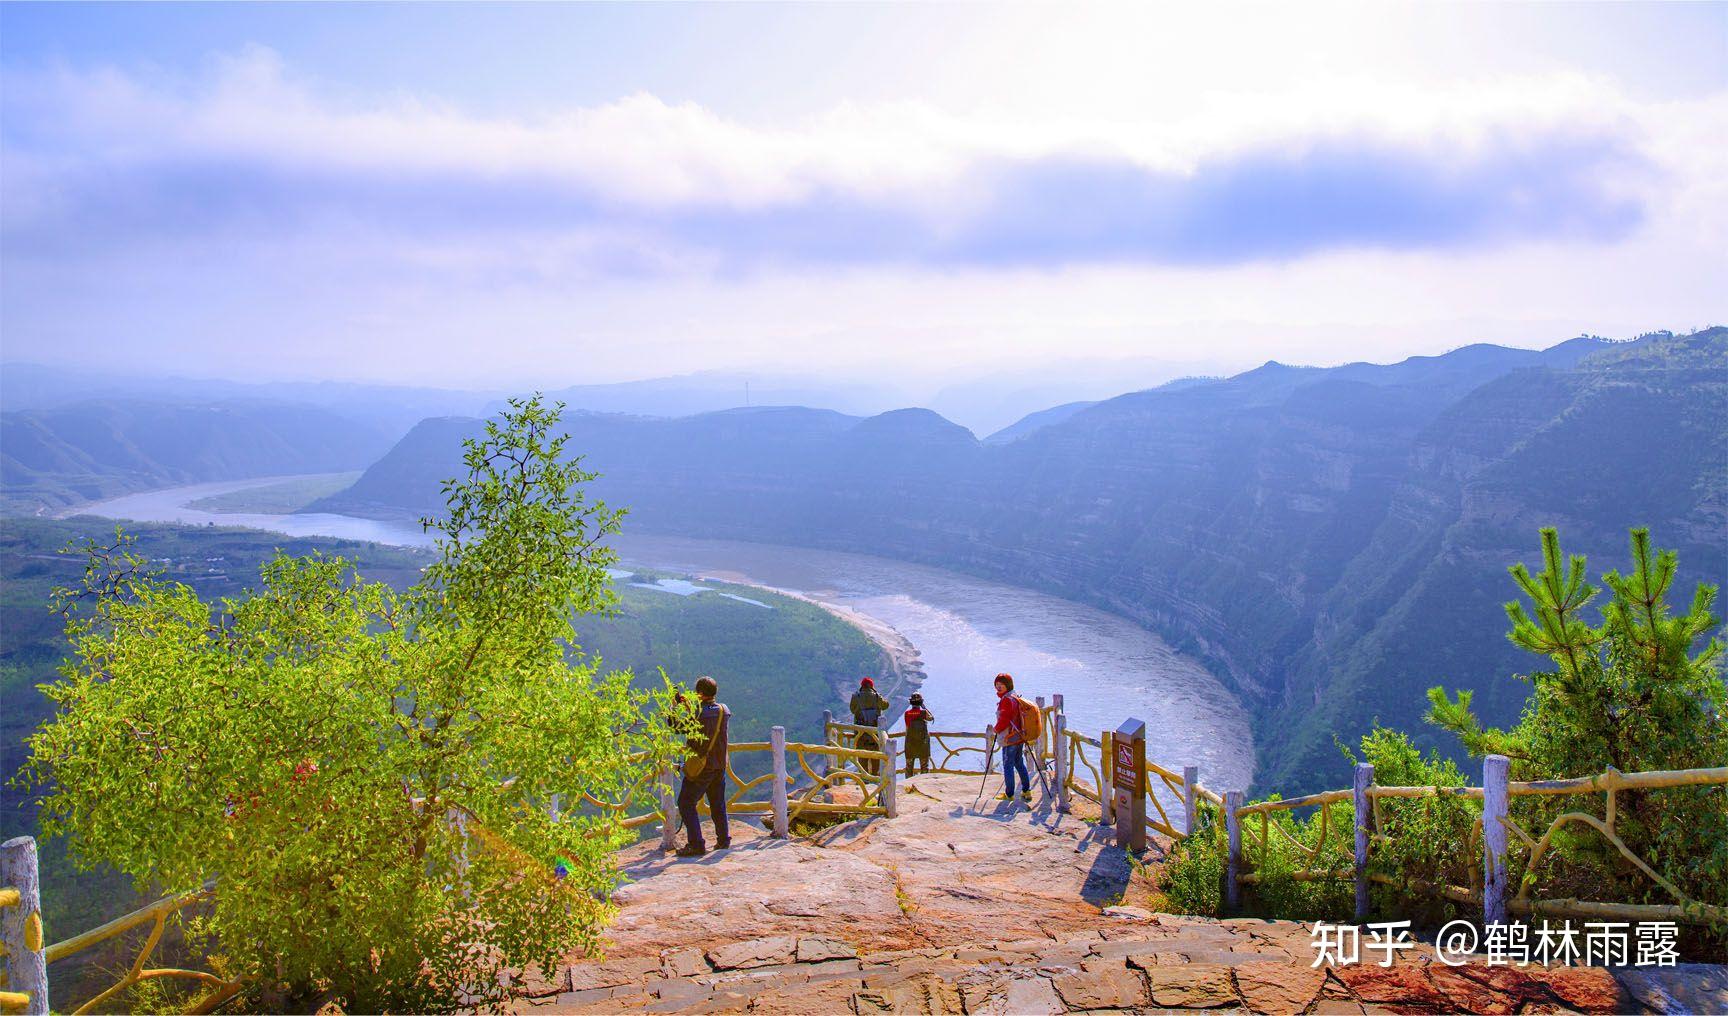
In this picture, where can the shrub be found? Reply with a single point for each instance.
(1420, 842)
(320, 746)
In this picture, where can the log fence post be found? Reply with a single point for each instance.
(1364, 806)
(1107, 792)
(1495, 772)
(777, 744)
(824, 763)
(1061, 741)
(1233, 867)
(1190, 779)
(21, 927)
(891, 778)
(669, 809)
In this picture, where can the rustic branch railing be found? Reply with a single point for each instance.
(1083, 767)
(219, 989)
(1078, 764)
(1485, 842)
(628, 801)
(949, 744)
(26, 976)
(872, 787)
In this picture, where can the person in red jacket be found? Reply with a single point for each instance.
(1013, 740)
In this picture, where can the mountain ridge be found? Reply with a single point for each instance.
(1329, 541)
(59, 456)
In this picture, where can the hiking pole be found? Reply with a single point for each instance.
(1039, 762)
(989, 760)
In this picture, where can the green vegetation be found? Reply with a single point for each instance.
(776, 665)
(277, 498)
(318, 746)
(1636, 692)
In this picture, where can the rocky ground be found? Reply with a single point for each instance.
(1004, 908)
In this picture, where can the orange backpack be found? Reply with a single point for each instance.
(1031, 721)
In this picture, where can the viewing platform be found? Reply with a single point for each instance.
(999, 907)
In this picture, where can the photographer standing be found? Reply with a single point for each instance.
(705, 773)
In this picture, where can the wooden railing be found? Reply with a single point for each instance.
(1486, 849)
(1082, 767)
(1085, 769)
(954, 745)
(25, 979)
(650, 798)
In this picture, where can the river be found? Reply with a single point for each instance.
(963, 629)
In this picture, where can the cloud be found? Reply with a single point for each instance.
(108, 165)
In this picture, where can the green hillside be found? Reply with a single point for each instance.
(777, 664)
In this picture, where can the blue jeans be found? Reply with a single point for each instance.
(1014, 757)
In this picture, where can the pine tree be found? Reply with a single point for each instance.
(1635, 692)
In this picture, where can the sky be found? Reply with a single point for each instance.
(500, 194)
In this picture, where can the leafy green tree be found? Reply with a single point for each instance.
(1635, 692)
(364, 774)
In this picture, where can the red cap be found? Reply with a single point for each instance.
(868, 682)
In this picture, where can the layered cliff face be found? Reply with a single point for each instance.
(1331, 542)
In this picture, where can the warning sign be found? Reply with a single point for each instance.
(1128, 771)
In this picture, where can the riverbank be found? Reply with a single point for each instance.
(942, 632)
(906, 666)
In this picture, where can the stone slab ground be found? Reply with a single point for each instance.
(1003, 908)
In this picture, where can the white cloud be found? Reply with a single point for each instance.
(217, 282)
(249, 107)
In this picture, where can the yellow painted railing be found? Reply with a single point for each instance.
(1610, 783)
(1535, 850)
(1312, 854)
(948, 748)
(1097, 766)
(640, 791)
(1088, 757)
(218, 989)
(837, 774)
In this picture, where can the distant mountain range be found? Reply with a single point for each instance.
(985, 403)
(391, 408)
(1330, 541)
(82, 451)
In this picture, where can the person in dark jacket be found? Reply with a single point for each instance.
(918, 720)
(705, 773)
(868, 705)
(1008, 728)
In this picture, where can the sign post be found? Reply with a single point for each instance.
(1128, 783)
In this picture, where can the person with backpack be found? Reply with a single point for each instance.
(1018, 723)
(868, 705)
(918, 721)
(705, 772)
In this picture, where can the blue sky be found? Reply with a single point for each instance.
(507, 194)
